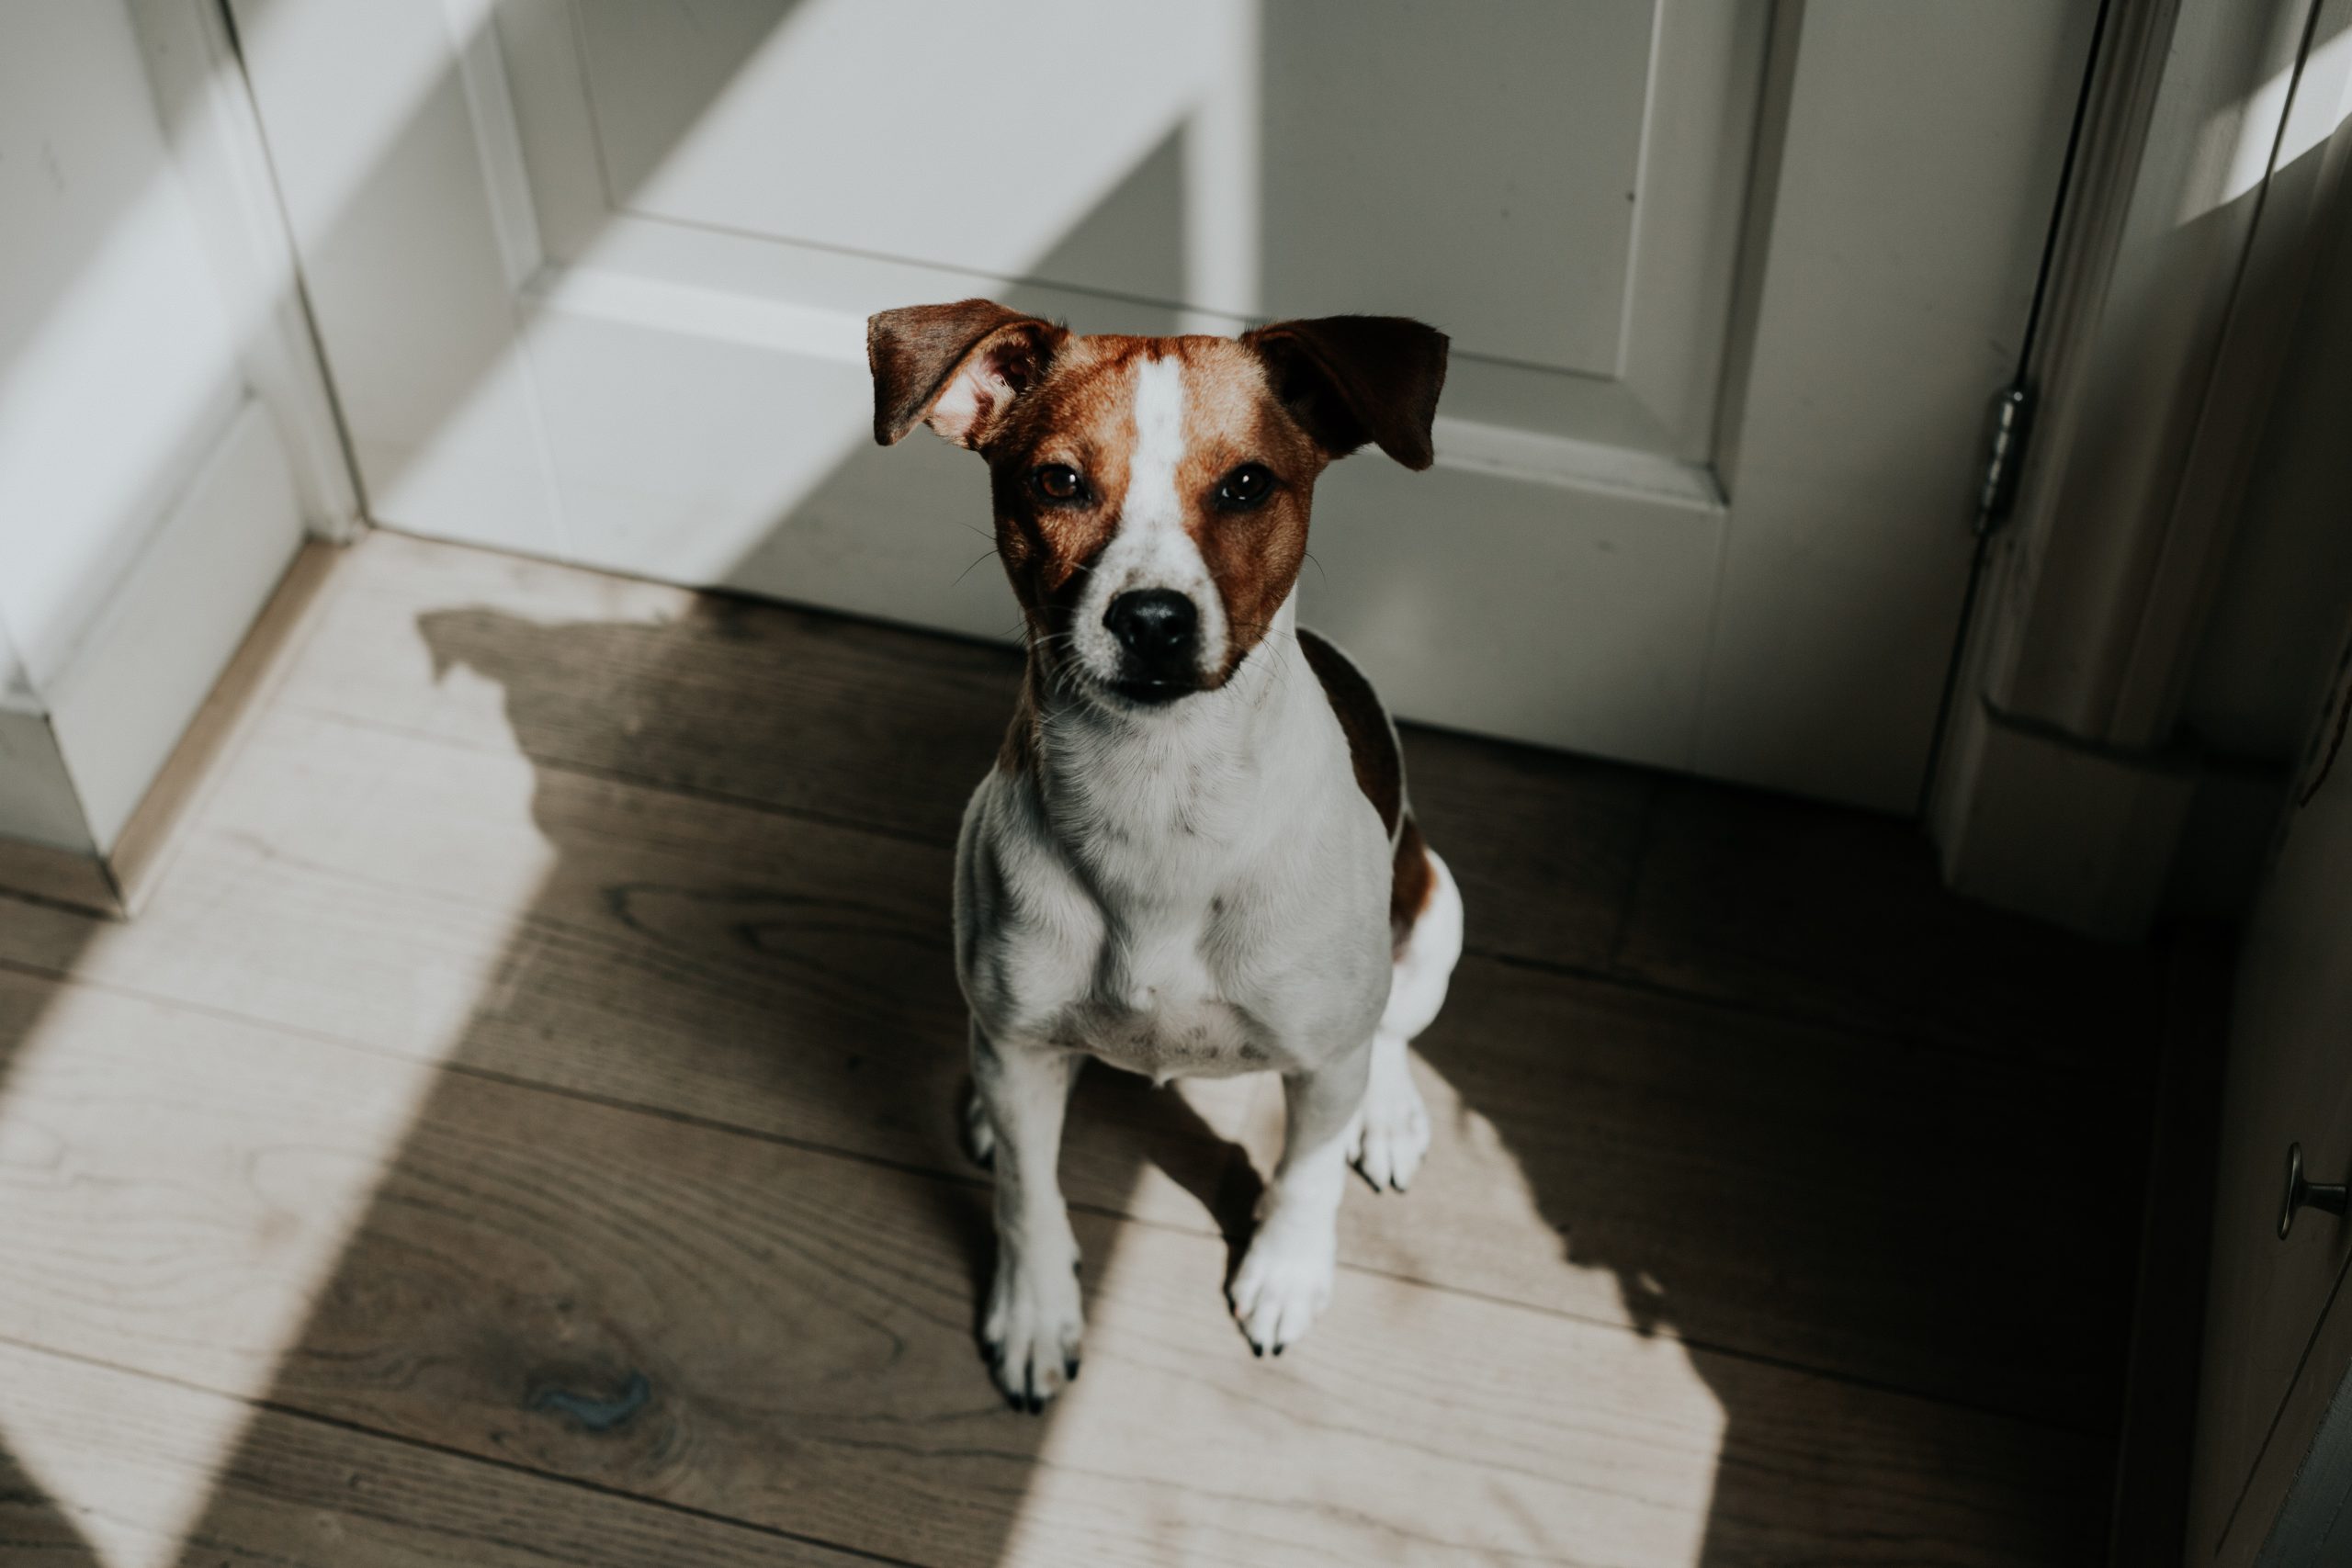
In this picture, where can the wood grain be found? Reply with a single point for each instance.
(777, 1335)
(61, 877)
(290, 1493)
(848, 720)
(792, 978)
(145, 845)
(1755, 899)
(539, 1058)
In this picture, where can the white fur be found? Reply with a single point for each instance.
(1391, 1133)
(1151, 548)
(1196, 889)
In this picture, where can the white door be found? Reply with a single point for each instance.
(1729, 286)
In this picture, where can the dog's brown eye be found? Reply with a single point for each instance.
(1057, 481)
(1245, 487)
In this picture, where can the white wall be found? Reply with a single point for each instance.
(2279, 619)
(146, 501)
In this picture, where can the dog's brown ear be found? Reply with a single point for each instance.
(1350, 379)
(953, 366)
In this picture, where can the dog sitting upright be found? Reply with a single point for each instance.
(1193, 856)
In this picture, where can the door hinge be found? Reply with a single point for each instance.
(2006, 425)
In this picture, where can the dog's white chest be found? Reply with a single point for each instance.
(1205, 898)
(1158, 1008)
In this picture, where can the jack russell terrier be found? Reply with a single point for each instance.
(1193, 856)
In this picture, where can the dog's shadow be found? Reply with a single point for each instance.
(744, 928)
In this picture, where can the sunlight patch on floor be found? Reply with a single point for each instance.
(180, 1187)
(1619, 1471)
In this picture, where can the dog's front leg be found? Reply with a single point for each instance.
(1286, 1279)
(1033, 1321)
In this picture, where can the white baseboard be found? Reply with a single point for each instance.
(2031, 820)
(171, 628)
(36, 800)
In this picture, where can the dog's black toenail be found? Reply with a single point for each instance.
(1070, 1369)
(1256, 1348)
(1278, 1350)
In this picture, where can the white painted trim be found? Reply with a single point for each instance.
(721, 316)
(1538, 458)
(2132, 325)
(498, 142)
(2078, 837)
(744, 320)
(206, 110)
(150, 657)
(37, 799)
(2095, 593)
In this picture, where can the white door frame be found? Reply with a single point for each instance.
(2177, 268)
(93, 764)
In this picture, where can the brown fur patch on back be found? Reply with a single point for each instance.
(1371, 744)
(1410, 886)
(1380, 773)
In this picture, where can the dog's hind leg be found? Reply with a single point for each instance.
(1389, 1136)
(1033, 1321)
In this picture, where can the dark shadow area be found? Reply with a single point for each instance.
(1817, 1115)
(33, 1533)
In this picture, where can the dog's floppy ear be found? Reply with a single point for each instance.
(1350, 379)
(953, 366)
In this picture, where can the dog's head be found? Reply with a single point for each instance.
(1152, 494)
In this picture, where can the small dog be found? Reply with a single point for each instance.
(1193, 856)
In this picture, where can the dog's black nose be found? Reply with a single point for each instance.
(1158, 626)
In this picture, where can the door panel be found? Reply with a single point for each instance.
(689, 212)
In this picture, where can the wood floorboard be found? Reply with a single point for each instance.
(553, 992)
(869, 725)
(1632, 1160)
(1812, 911)
(1747, 898)
(291, 1493)
(779, 1337)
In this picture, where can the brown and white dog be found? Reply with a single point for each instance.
(1193, 856)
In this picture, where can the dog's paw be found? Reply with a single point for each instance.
(1285, 1280)
(979, 1133)
(1032, 1331)
(1391, 1132)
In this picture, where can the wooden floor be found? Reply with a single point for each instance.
(519, 1131)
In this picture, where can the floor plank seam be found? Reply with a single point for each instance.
(1645, 837)
(1823, 1024)
(422, 1445)
(57, 906)
(980, 1182)
(623, 776)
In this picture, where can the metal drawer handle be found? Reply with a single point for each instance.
(2302, 1194)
